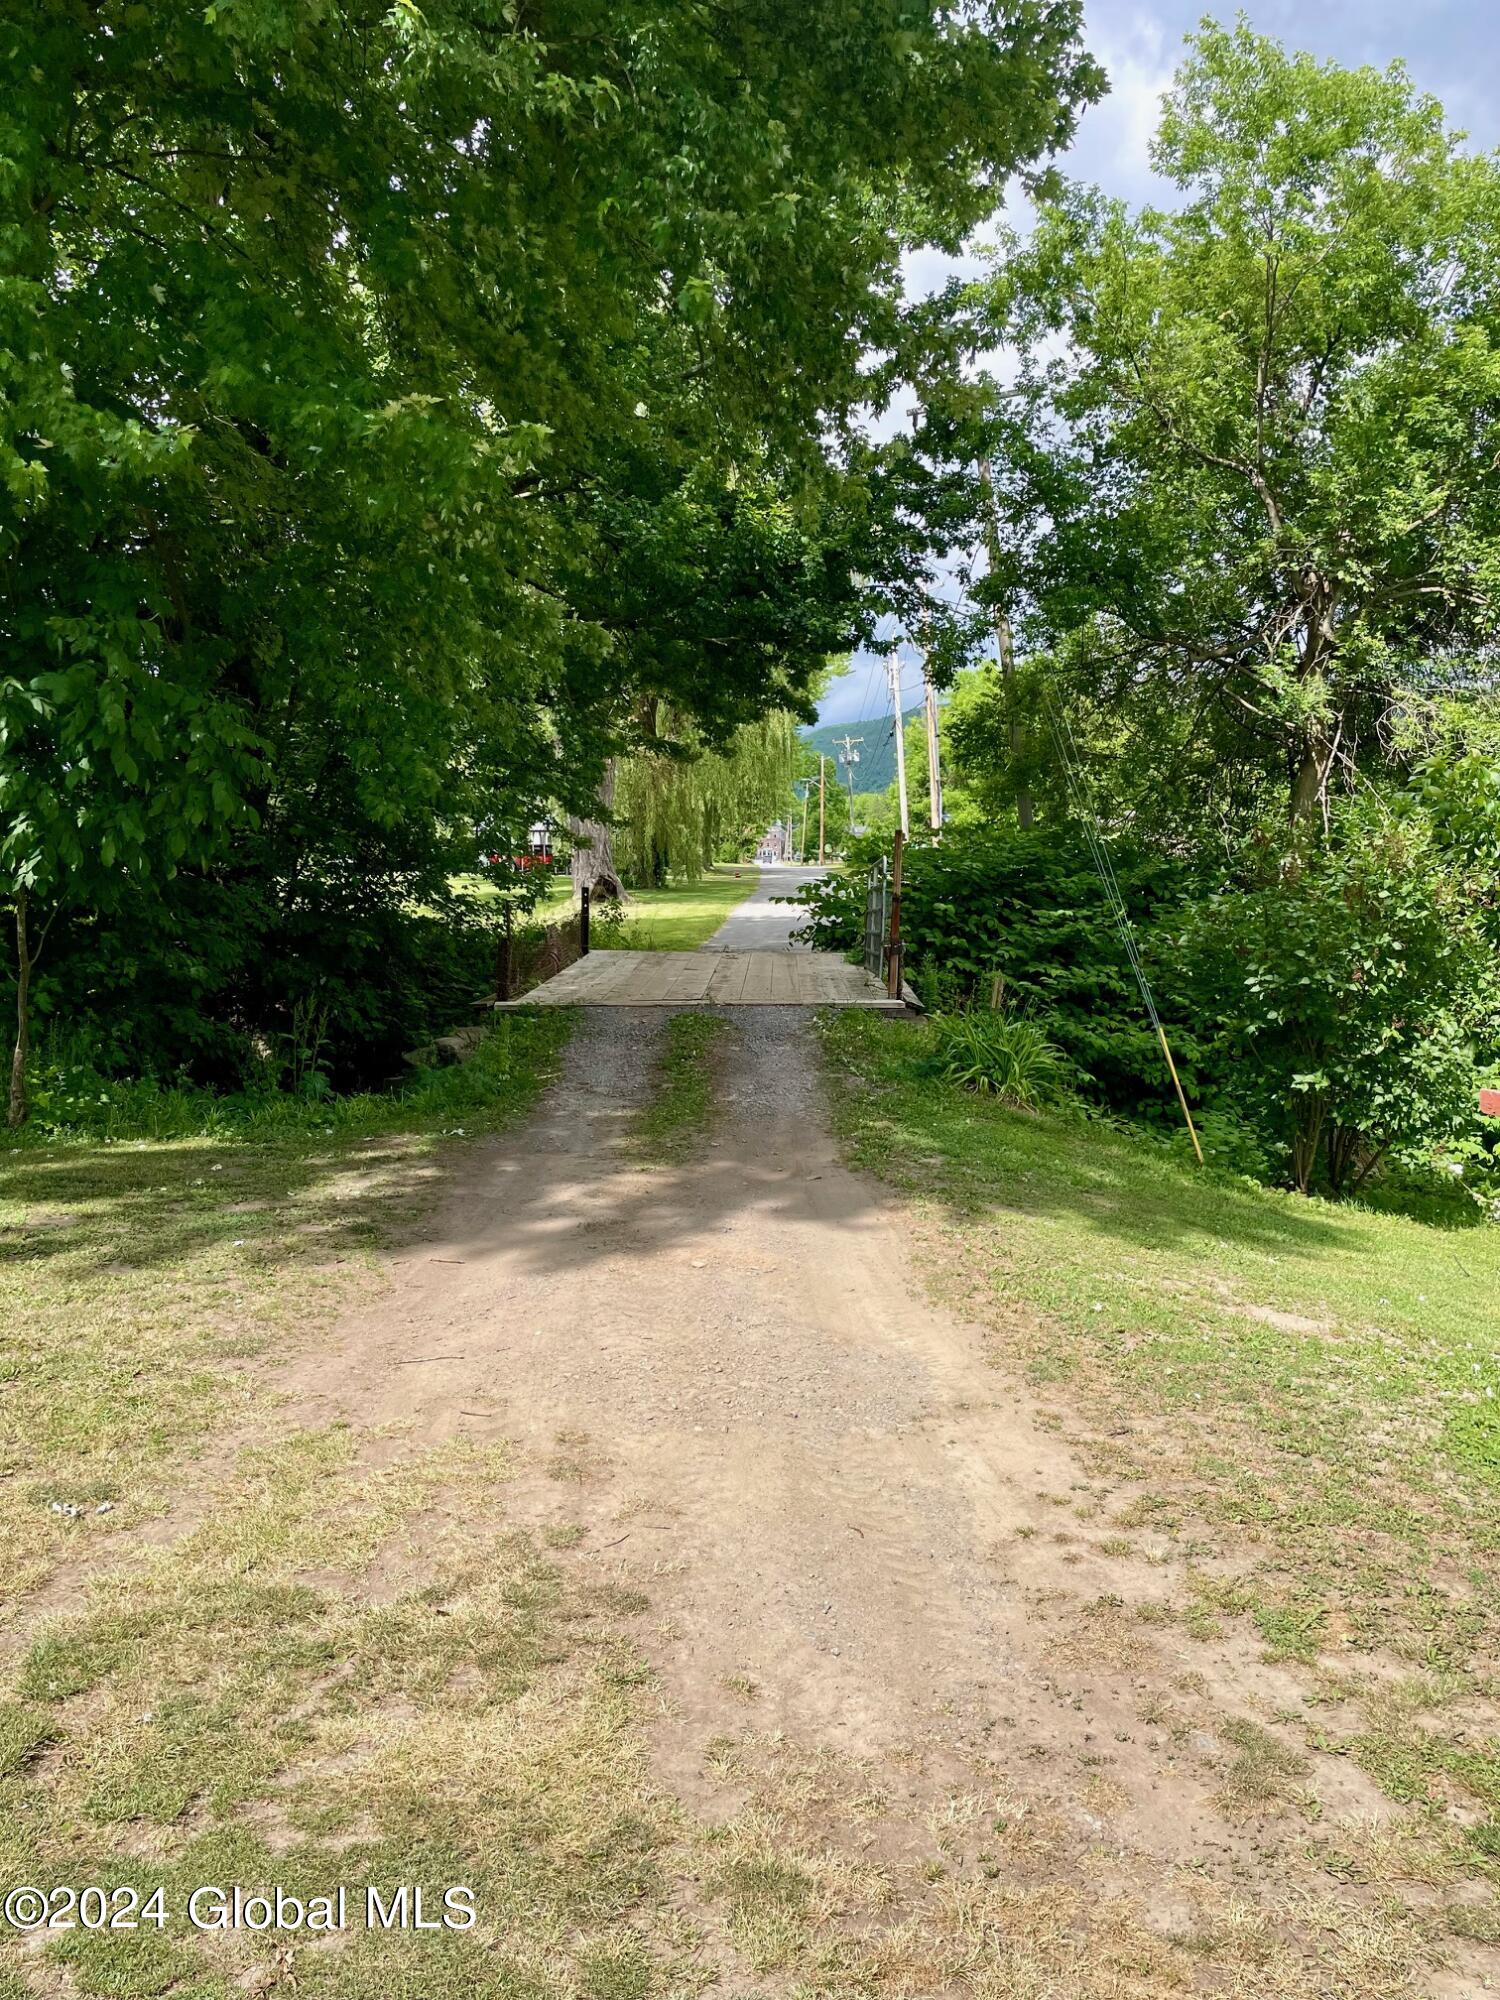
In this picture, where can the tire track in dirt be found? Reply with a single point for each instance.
(843, 1516)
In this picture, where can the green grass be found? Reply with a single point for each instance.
(679, 917)
(681, 1104)
(685, 914)
(1309, 1393)
(73, 1104)
(138, 1277)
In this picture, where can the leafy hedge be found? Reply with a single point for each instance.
(223, 992)
(1031, 908)
(1332, 1001)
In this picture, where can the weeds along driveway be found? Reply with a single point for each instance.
(654, 1554)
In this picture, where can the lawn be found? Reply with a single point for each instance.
(679, 917)
(1298, 1403)
(212, 1611)
(683, 915)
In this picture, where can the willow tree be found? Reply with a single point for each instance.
(679, 804)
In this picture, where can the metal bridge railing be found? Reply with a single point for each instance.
(878, 917)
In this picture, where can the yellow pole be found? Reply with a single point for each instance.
(1192, 1128)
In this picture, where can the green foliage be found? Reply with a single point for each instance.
(1461, 798)
(1332, 1005)
(999, 1055)
(680, 807)
(74, 1103)
(1346, 983)
(397, 399)
(1230, 1143)
(221, 988)
(1245, 488)
(1030, 910)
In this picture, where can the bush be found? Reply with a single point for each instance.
(1230, 1144)
(1347, 984)
(1000, 1055)
(73, 1102)
(223, 992)
(1031, 908)
(1331, 1003)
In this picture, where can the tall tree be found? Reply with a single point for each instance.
(679, 804)
(1249, 472)
(358, 361)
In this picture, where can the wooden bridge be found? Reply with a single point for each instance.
(712, 979)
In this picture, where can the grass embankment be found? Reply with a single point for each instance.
(286, 1656)
(1300, 1403)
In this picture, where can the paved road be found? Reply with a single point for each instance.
(760, 923)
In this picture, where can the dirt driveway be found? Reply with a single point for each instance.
(881, 1639)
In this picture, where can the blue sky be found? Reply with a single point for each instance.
(1451, 47)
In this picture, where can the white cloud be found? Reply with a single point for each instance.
(1139, 55)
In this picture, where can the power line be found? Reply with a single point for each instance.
(1083, 805)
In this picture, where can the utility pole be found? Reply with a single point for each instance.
(1003, 644)
(894, 947)
(934, 772)
(893, 668)
(806, 795)
(848, 749)
(822, 810)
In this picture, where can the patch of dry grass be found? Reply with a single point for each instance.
(1297, 1401)
(225, 1718)
(141, 1282)
(844, 1887)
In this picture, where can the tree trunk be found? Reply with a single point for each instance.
(18, 1104)
(1318, 740)
(1307, 1139)
(1025, 814)
(1343, 1147)
(1312, 762)
(593, 852)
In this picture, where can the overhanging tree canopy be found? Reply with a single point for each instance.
(361, 361)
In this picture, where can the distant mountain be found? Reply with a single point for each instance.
(876, 769)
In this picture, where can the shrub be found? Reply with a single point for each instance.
(1346, 983)
(1000, 1055)
(1230, 1143)
(1031, 908)
(222, 991)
